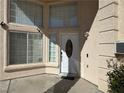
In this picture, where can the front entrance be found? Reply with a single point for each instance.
(70, 54)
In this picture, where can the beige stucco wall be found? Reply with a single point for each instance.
(104, 31)
(100, 45)
(1, 17)
(109, 33)
(89, 23)
(121, 20)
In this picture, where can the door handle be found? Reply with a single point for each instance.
(61, 52)
(61, 56)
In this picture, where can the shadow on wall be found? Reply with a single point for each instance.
(88, 13)
(62, 86)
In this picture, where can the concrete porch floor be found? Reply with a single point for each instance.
(46, 83)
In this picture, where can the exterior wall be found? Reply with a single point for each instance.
(89, 47)
(1, 17)
(121, 20)
(100, 45)
(121, 27)
(109, 33)
(102, 26)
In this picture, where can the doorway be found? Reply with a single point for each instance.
(69, 65)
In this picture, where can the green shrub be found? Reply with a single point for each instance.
(116, 80)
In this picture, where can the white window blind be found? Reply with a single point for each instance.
(25, 48)
(25, 12)
(52, 47)
(63, 15)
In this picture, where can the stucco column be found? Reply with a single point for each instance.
(1, 36)
(121, 20)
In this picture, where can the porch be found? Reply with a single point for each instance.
(47, 83)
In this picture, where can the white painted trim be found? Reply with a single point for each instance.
(16, 68)
(5, 10)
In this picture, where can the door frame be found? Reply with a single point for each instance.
(60, 39)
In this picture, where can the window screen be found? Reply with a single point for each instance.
(52, 47)
(63, 15)
(25, 48)
(25, 12)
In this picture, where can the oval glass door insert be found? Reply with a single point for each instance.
(69, 48)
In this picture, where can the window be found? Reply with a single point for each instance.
(52, 47)
(25, 47)
(63, 15)
(25, 12)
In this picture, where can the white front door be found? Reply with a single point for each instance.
(70, 54)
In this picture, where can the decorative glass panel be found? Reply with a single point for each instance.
(35, 48)
(25, 12)
(69, 48)
(18, 48)
(25, 48)
(63, 15)
(52, 47)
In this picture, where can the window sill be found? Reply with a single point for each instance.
(14, 68)
(21, 27)
(52, 64)
(22, 67)
(71, 27)
(63, 26)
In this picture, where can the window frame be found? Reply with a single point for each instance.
(20, 28)
(27, 28)
(54, 62)
(27, 36)
(19, 67)
(8, 15)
